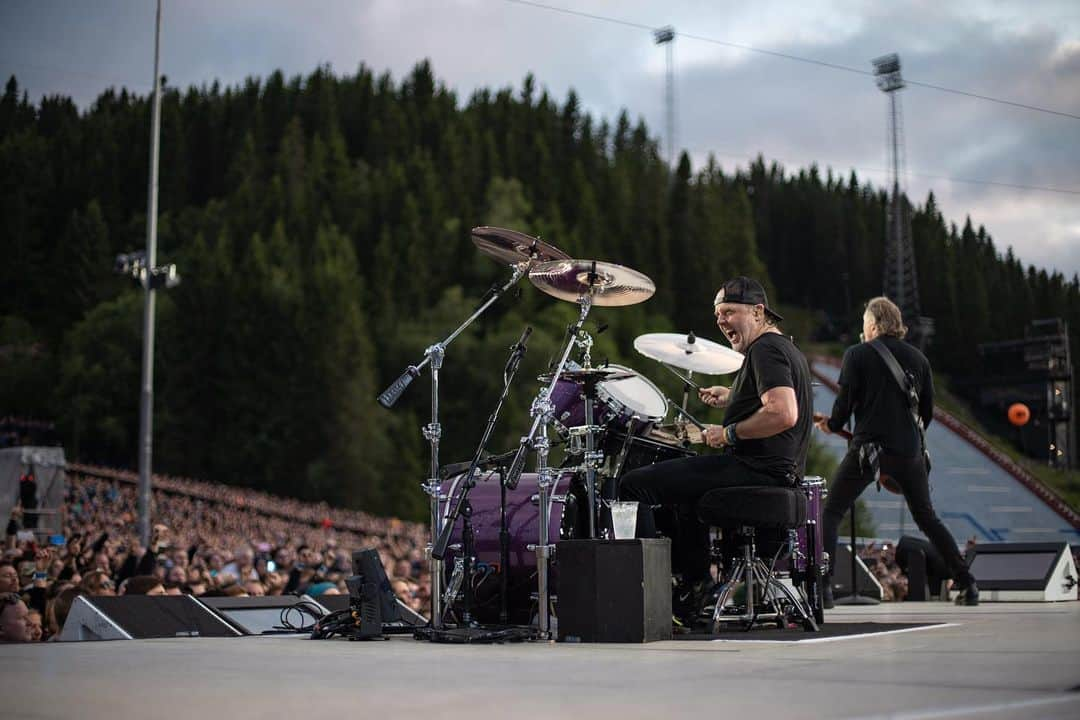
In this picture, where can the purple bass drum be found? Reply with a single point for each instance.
(523, 526)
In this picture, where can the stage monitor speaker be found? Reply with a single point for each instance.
(1024, 572)
(135, 617)
(868, 585)
(614, 590)
(263, 615)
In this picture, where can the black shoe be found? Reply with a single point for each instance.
(827, 601)
(969, 593)
(687, 600)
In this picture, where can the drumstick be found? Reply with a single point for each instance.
(687, 415)
(682, 377)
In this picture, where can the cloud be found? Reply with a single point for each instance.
(734, 103)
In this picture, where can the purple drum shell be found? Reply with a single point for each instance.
(523, 525)
(814, 487)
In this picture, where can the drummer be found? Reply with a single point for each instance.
(765, 435)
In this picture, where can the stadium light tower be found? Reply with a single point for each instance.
(666, 36)
(900, 279)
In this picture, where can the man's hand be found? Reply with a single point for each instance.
(821, 422)
(714, 435)
(715, 396)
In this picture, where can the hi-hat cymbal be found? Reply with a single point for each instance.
(689, 353)
(610, 285)
(513, 247)
(583, 375)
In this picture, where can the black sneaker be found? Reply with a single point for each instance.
(969, 593)
(687, 600)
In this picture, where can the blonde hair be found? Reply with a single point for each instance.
(886, 316)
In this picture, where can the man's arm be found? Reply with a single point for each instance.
(842, 407)
(779, 411)
(926, 398)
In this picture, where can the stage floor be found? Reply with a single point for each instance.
(993, 661)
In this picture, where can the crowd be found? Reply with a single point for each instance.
(208, 539)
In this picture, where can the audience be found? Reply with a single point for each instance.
(209, 540)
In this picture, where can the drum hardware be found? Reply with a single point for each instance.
(462, 508)
(588, 283)
(521, 252)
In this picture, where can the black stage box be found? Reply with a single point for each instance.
(614, 590)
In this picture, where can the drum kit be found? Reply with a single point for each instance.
(610, 419)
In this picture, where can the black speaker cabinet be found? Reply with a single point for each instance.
(868, 585)
(614, 590)
(133, 617)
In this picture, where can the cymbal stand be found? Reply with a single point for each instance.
(434, 356)
(592, 458)
(543, 411)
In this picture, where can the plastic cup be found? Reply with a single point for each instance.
(624, 520)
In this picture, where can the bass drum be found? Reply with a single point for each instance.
(523, 526)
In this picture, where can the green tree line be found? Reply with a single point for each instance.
(321, 227)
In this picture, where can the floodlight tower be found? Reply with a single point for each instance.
(901, 282)
(666, 36)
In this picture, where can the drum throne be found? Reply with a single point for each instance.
(769, 597)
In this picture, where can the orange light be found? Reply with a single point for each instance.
(1019, 414)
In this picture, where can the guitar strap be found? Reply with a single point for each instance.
(907, 386)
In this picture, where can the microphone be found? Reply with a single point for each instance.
(520, 347)
(390, 395)
(513, 476)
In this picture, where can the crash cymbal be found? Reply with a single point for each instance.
(582, 375)
(610, 285)
(513, 247)
(689, 353)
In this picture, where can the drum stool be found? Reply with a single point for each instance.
(747, 509)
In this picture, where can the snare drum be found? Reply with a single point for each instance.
(617, 402)
(523, 526)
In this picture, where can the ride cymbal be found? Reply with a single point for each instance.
(608, 284)
(513, 247)
(689, 353)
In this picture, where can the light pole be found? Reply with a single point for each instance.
(146, 405)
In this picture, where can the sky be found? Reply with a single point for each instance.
(1013, 169)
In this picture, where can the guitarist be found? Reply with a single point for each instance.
(884, 416)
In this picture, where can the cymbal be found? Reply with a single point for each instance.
(610, 285)
(700, 355)
(513, 247)
(582, 375)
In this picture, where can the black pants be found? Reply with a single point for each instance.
(678, 485)
(910, 475)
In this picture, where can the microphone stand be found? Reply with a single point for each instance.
(432, 432)
(461, 507)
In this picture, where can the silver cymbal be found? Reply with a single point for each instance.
(610, 285)
(513, 247)
(701, 355)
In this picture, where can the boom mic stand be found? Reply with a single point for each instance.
(434, 356)
(461, 507)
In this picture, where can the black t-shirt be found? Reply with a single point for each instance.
(773, 361)
(870, 391)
